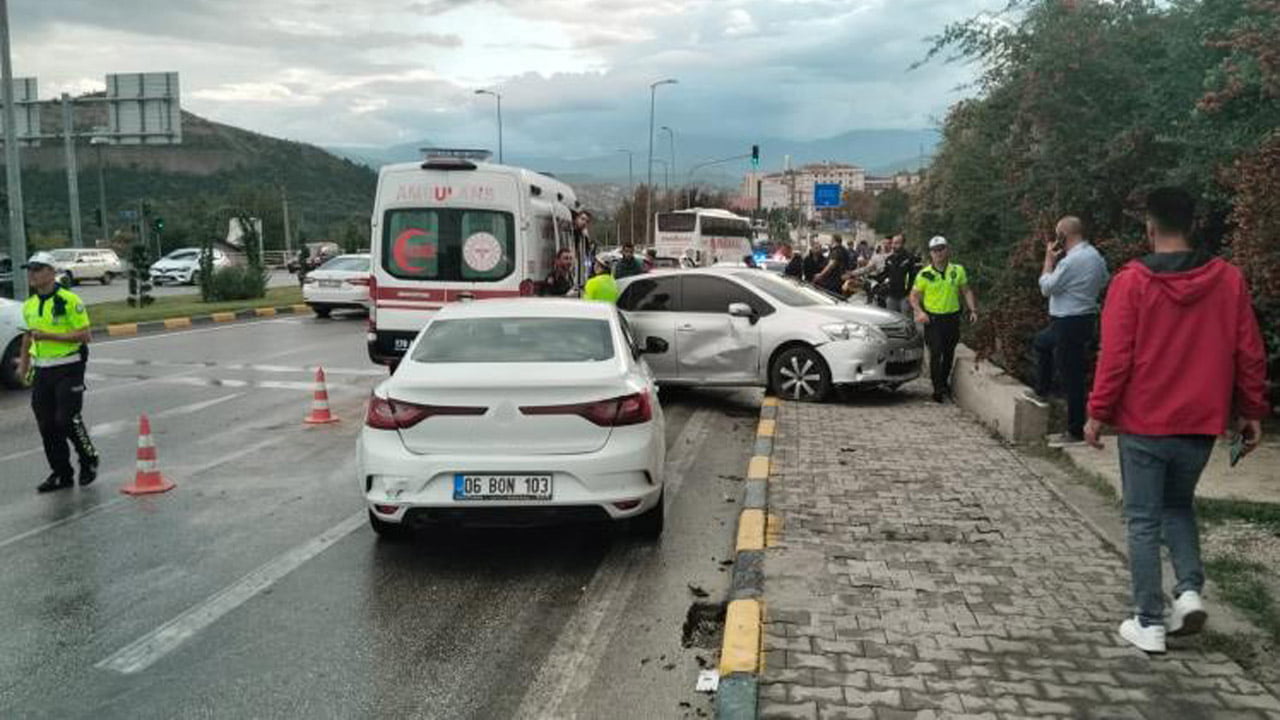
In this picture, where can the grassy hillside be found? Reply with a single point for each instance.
(194, 185)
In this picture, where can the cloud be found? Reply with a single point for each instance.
(574, 74)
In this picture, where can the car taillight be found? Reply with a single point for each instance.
(391, 414)
(359, 281)
(527, 288)
(614, 412)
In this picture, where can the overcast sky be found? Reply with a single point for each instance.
(574, 74)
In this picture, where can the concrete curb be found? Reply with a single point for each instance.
(184, 322)
(741, 656)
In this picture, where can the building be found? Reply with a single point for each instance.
(794, 188)
(901, 181)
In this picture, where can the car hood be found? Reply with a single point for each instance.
(867, 314)
(174, 264)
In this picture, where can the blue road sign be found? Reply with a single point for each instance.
(826, 195)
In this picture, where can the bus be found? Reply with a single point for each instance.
(701, 237)
(456, 227)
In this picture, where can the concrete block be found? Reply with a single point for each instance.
(996, 399)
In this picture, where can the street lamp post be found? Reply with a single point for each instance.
(631, 193)
(671, 136)
(648, 200)
(497, 96)
(13, 165)
(666, 173)
(98, 142)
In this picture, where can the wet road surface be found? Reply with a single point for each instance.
(256, 588)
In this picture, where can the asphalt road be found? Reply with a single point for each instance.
(91, 291)
(256, 589)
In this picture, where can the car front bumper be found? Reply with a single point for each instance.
(855, 362)
(627, 469)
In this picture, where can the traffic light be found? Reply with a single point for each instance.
(755, 157)
(158, 225)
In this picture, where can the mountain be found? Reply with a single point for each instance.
(880, 151)
(215, 168)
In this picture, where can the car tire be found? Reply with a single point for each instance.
(195, 279)
(9, 366)
(106, 278)
(648, 524)
(322, 311)
(68, 279)
(387, 530)
(800, 373)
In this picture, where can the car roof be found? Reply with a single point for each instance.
(528, 307)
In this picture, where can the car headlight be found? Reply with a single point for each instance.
(853, 331)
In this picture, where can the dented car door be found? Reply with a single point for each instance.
(711, 346)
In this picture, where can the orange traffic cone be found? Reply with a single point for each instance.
(320, 414)
(148, 479)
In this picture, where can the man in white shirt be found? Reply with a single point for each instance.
(1073, 283)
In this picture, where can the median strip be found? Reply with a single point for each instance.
(741, 657)
(184, 322)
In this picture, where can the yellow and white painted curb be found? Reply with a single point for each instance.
(741, 656)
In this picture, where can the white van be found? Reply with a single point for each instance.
(455, 227)
(75, 265)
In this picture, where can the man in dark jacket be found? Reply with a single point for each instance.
(900, 270)
(832, 276)
(814, 262)
(795, 263)
(628, 264)
(1181, 355)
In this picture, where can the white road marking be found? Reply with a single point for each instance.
(193, 331)
(129, 362)
(191, 381)
(108, 429)
(146, 650)
(562, 681)
(189, 472)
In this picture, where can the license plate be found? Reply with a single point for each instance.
(330, 283)
(401, 344)
(502, 487)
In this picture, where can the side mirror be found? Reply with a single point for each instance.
(743, 310)
(654, 346)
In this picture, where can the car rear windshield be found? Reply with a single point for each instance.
(354, 264)
(725, 227)
(448, 244)
(515, 340)
(787, 290)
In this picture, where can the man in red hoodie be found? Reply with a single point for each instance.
(1181, 358)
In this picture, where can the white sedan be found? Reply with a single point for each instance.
(343, 282)
(10, 343)
(515, 412)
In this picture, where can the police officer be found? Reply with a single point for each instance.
(54, 346)
(936, 301)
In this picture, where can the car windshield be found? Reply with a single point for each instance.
(351, 263)
(64, 255)
(787, 291)
(183, 255)
(515, 340)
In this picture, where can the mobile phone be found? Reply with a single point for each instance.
(1237, 447)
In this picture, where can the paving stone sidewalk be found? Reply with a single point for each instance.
(918, 569)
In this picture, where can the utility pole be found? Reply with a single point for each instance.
(631, 195)
(13, 162)
(648, 196)
(98, 142)
(73, 170)
(284, 201)
(498, 97)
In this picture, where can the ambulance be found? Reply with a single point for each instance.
(455, 227)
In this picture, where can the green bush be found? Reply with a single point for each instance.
(236, 283)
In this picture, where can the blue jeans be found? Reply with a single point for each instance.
(1159, 475)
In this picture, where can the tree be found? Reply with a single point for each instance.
(891, 211)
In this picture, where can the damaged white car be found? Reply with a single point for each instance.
(739, 326)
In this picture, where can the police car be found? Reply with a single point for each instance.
(10, 343)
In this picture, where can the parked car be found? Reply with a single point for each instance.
(341, 283)
(183, 266)
(517, 412)
(10, 343)
(75, 265)
(741, 326)
(318, 254)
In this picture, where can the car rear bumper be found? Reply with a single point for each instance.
(853, 362)
(627, 469)
(335, 297)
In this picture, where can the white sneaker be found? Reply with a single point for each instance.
(1188, 616)
(1064, 440)
(1148, 639)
